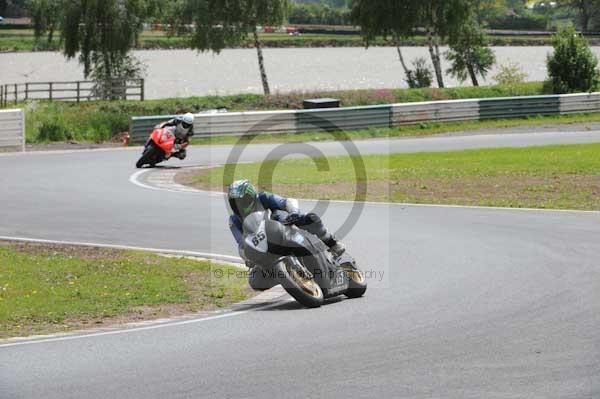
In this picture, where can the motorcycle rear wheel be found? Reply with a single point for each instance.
(306, 291)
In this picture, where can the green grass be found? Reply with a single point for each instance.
(101, 120)
(47, 290)
(564, 177)
(24, 40)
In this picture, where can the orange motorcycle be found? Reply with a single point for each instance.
(159, 148)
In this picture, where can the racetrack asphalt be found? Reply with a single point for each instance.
(462, 302)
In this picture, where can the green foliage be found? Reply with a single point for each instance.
(511, 76)
(587, 11)
(112, 84)
(526, 21)
(46, 16)
(102, 31)
(420, 76)
(318, 14)
(469, 53)
(440, 18)
(222, 23)
(573, 66)
(383, 18)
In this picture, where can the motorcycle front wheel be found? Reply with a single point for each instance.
(357, 281)
(306, 291)
(151, 156)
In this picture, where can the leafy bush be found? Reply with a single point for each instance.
(420, 76)
(511, 76)
(572, 67)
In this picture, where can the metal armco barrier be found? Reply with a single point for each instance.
(12, 133)
(392, 115)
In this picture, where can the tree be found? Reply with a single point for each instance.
(215, 24)
(573, 66)
(386, 18)
(102, 33)
(587, 9)
(469, 53)
(46, 17)
(489, 9)
(442, 19)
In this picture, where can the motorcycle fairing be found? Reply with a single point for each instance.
(164, 139)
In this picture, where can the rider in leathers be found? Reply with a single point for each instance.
(242, 199)
(182, 127)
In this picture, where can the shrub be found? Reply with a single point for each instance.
(511, 76)
(572, 67)
(420, 76)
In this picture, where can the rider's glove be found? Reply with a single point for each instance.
(293, 218)
(176, 148)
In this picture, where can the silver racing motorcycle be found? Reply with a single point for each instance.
(299, 261)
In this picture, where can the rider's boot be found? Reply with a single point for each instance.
(336, 247)
(181, 155)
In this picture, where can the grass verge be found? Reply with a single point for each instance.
(48, 288)
(557, 177)
(100, 121)
(22, 40)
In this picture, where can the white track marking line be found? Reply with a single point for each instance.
(207, 255)
(74, 151)
(134, 179)
(145, 328)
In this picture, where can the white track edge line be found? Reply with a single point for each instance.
(134, 179)
(144, 328)
(207, 255)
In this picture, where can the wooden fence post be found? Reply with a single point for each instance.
(142, 92)
(26, 91)
(51, 90)
(78, 90)
(16, 94)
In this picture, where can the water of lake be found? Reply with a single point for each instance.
(183, 73)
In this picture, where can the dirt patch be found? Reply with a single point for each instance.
(71, 251)
(187, 177)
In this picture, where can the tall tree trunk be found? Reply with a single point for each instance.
(435, 60)
(472, 74)
(585, 16)
(404, 66)
(261, 64)
(50, 34)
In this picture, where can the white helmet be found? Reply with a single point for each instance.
(185, 123)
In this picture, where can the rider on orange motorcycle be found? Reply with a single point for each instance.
(182, 127)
